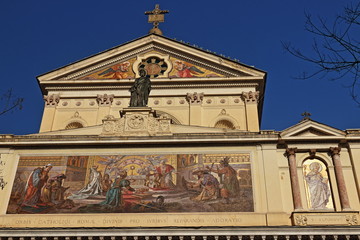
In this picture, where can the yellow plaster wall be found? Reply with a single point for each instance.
(205, 114)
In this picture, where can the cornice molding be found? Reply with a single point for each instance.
(114, 87)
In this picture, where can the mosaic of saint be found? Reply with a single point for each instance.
(317, 184)
(121, 70)
(182, 69)
(132, 183)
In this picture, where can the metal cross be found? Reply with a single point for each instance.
(306, 115)
(156, 16)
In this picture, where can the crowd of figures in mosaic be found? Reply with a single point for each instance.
(133, 183)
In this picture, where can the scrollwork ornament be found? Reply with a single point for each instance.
(136, 122)
(164, 126)
(108, 127)
(352, 220)
(301, 220)
(120, 126)
(153, 125)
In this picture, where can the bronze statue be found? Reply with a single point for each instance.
(140, 90)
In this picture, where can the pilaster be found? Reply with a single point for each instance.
(195, 110)
(104, 101)
(251, 100)
(51, 102)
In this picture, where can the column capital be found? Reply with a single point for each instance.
(250, 97)
(195, 97)
(51, 100)
(290, 151)
(105, 100)
(334, 151)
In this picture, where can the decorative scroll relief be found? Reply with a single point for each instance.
(300, 220)
(137, 124)
(352, 220)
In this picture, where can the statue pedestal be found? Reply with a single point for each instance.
(137, 121)
(141, 110)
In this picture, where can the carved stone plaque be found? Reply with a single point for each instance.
(137, 122)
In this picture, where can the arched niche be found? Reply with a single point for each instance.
(317, 184)
(224, 123)
(174, 120)
(73, 125)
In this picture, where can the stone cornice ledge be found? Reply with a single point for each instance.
(167, 232)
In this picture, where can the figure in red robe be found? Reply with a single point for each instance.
(35, 183)
(186, 71)
(163, 176)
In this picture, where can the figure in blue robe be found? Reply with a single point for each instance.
(113, 196)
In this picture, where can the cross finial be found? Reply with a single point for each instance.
(156, 16)
(306, 115)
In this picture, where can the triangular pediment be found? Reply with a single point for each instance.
(166, 58)
(311, 129)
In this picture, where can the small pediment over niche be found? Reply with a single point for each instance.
(310, 128)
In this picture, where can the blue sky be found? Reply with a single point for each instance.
(39, 36)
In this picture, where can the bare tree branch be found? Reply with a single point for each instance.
(336, 49)
(9, 102)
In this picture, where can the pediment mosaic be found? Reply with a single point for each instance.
(155, 65)
(122, 70)
(183, 69)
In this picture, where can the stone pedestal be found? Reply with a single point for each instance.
(137, 121)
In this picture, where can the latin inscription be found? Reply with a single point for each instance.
(227, 220)
(112, 221)
(131, 221)
(157, 220)
(324, 219)
(55, 222)
(189, 220)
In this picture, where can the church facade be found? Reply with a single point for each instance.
(192, 162)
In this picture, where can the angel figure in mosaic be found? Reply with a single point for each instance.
(119, 71)
(318, 187)
(184, 70)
